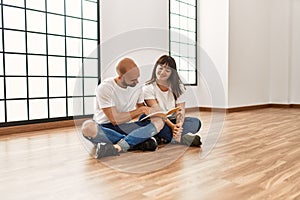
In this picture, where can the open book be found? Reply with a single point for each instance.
(162, 114)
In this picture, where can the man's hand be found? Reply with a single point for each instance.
(144, 110)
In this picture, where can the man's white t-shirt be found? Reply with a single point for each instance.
(110, 94)
(165, 100)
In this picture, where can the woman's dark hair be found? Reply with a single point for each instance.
(174, 78)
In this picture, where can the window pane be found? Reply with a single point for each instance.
(1, 88)
(73, 26)
(57, 87)
(175, 48)
(16, 110)
(15, 64)
(36, 4)
(17, 14)
(37, 87)
(184, 50)
(1, 64)
(90, 85)
(89, 103)
(183, 9)
(90, 48)
(36, 21)
(183, 36)
(192, 12)
(56, 66)
(56, 45)
(183, 64)
(91, 67)
(57, 107)
(1, 46)
(2, 112)
(184, 76)
(37, 65)
(75, 106)
(14, 41)
(89, 29)
(75, 87)
(73, 8)
(55, 6)
(174, 21)
(174, 36)
(36, 43)
(38, 109)
(14, 2)
(183, 23)
(74, 66)
(55, 24)
(192, 78)
(89, 10)
(16, 87)
(174, 7)
(74, 47)
(192, 51)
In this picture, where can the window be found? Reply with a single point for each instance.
(49, 60)
(183, 38)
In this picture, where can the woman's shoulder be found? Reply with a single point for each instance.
(149, 85)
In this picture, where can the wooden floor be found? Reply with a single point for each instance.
(247, 155)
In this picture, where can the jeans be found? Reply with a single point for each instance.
(126, 135)
(190, 125)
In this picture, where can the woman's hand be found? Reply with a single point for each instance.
(177, 131)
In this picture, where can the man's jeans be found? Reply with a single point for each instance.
(126, 135)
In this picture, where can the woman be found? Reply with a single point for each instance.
(166, 89)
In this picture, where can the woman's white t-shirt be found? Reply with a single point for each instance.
(110, 94)
(165, 100)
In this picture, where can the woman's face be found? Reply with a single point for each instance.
(163, 72)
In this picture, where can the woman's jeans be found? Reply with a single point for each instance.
(190, 125)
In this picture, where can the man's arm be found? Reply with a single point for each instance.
(116, 117)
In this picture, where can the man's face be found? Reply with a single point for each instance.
(130, 78)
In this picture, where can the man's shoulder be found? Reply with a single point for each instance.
(106, 83)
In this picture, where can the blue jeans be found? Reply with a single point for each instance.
(190, 125)
(126, 135)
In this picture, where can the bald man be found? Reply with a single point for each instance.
(118, 102)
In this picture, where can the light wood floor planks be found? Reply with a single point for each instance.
(257, 156)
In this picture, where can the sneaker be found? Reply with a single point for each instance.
(105, 149)
(191, 139)
(148, 145)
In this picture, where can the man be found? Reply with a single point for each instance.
(118, 101)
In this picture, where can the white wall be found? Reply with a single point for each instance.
(248, 52)
(213, 53)
(133, 28)
(279, 51)
(248, 49)
(294, 55)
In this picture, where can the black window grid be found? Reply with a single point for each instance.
(67, 96)
(191, 59)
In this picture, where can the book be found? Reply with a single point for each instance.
(162, 114)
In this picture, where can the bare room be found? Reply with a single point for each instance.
(140, 99)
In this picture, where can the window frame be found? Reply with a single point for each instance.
(83, 58)
(195, 71)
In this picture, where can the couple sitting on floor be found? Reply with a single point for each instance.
(118, 101)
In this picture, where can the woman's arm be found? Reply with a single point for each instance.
(180, 114)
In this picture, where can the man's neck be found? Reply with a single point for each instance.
(119, 82)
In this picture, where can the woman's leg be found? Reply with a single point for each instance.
(191, 125)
